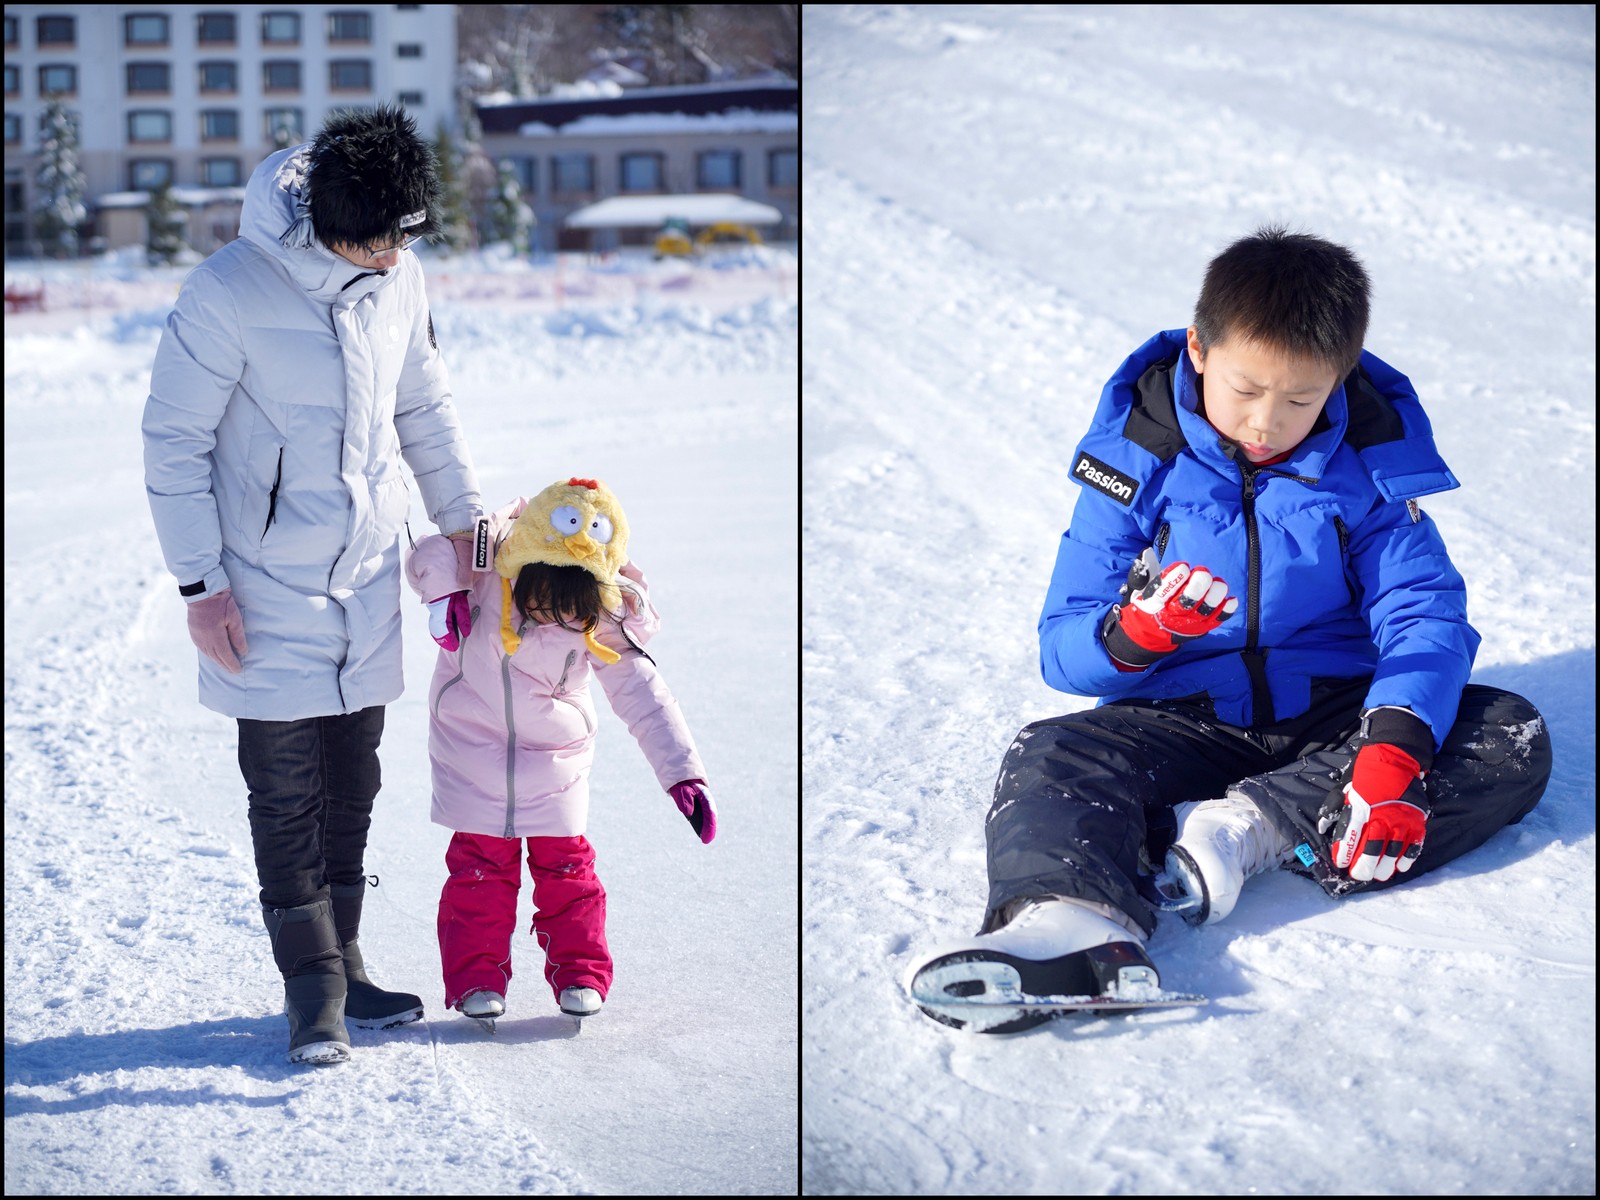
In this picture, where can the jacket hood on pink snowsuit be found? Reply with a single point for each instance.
(511, 737)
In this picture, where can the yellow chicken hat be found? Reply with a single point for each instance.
(572, 523)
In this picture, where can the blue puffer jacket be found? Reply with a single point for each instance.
(1339, 574)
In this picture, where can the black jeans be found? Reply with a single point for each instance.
(1081, 798)
(312, 783)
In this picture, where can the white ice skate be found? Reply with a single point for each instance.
(1052, 957)
(1220, 844)
(580, 1001)
(484, 1007)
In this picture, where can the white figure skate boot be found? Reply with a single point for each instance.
(1220, 844)
(1050, 948)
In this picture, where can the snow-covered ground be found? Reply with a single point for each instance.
(144, 1033)
(1001, 202)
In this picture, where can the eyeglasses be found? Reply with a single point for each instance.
(380, 251)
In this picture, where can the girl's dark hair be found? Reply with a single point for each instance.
(1293, 292)
(550, 595)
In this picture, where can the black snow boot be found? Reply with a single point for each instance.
(305, 945)
(367, 1006)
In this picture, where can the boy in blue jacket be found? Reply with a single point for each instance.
(1278, 635)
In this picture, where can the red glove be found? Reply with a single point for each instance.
(216, 627)
(1379, 828)
(1161, 610)
(450, 619)
(694, 802)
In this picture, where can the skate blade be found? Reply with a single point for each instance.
(987, 997)
(321, 1054)
(405, 1018)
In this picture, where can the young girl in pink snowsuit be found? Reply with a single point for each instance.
(512, 733)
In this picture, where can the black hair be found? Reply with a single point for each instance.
(550, 595)
(370, 171)
(1292, 292)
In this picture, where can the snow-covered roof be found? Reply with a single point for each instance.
(650, 211)
(741, 120)
(192, 197)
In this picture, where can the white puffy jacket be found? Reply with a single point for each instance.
(287, 386)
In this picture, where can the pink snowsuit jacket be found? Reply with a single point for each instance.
(511, 738)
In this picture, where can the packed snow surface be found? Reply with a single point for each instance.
(1001, 203)
(144, 1031)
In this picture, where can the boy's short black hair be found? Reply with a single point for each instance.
(1298, 294)
(373, 181)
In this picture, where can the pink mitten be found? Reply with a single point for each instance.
(450, 619)
(694, 802)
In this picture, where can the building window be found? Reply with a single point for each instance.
(350, 27)
(149, 77)
(147, 174)
(220, 172)
(640, 172)
(280, 76)
(408, 50)
(219, 77)
(526, 170)
(350, 75)
(13, 80)
(145, 29)
(57, 31)
(280, 29)
(783, 168)
(411, 99)
(11, 33)
(287, 123)
(13, 130)
(58, 81)
(149, 127)
(572, 173)
(219, 125)
(218, 29)
(719, 169)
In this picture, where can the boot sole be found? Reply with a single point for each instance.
(388, 1022)
(320, 1054)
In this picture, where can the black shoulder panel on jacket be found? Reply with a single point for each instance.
(1372, 419)
(1153, 422)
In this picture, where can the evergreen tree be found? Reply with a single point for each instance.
(165, 221)
(455, 221)
(59, 209)
(510, 220)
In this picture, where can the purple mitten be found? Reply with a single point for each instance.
(694, 802)
(450, 619)
(216, 627)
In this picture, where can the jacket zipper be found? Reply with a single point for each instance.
(1161, 539)
(461, 669)
(272, 498)
(511, 751)
(1344, 557)
(561, 687)
(1254, 660)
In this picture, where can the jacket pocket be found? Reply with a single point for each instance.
(272, 496)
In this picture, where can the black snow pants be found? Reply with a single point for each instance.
(1080, 798)
(312, 784)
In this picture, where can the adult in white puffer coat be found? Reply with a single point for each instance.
(297, 369)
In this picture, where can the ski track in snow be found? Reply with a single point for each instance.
(145, 1040)
(1000, 205)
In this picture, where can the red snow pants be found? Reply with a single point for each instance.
(478, 912)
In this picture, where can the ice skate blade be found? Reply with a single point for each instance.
(390, 1022)
(483, 1023)
(992, 994)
